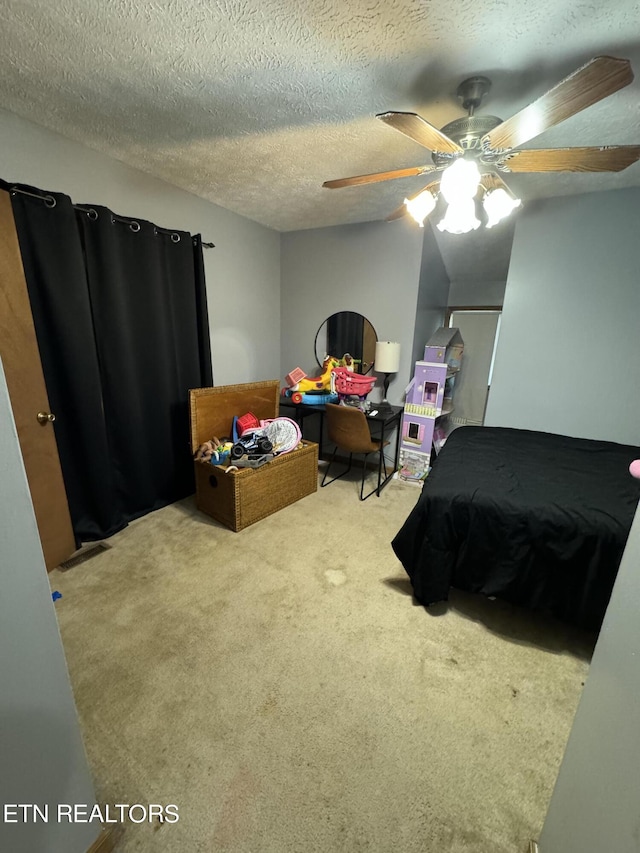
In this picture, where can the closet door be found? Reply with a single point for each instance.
(25, 381)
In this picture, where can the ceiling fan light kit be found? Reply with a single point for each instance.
(472, 152)
(460, 180)
(460, 217)
(498, 204)
(421, 206)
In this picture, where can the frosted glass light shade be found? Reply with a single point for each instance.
(498, 204)
(460, 180)
(460, 217)
(387, 357)
(421, 206)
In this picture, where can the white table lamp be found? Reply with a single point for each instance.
(387, 361)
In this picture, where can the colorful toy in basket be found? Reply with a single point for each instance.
(215, 451)
(283, 433)
(346, 383)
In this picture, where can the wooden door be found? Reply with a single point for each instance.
(25, 381)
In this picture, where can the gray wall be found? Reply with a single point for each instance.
(474, 293)
(243, 271)
(594, 806)
(433, 293)
(568, 359)
(43, 759)
(372, 268)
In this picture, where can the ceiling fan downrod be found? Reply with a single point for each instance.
(471, 92)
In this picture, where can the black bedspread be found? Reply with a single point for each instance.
(537, 519)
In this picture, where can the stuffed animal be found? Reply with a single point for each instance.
(207, 450)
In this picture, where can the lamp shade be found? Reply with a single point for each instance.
(421, 206)
(387, 357)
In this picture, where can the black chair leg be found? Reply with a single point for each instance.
(376, 489)
(346, 471)
(363, 497)
(381, 462)
(364, 473)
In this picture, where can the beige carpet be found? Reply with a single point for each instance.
(281, 687)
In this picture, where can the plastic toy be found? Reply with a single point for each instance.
(634, 468)
(349, 361)
(252, 443)
(246, 422)
(222, 453)
(295, 376)
(283, 433)
(315, 399)
(321, 383)
(346, 383)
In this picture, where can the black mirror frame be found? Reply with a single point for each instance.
(339, 355)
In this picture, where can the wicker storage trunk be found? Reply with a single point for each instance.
(243, 497)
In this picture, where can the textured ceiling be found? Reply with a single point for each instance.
(252, 104)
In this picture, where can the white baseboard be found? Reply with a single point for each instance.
(463, 421)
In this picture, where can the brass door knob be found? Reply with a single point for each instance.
(46, 418)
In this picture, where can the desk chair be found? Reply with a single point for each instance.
(348, 429)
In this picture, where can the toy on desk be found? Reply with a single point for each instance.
(323, 388)
(296, 375)
(302, 384)
(318, 399)
(347, 384)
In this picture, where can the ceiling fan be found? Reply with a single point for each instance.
(473, 151)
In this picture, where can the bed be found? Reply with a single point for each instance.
(533, 518)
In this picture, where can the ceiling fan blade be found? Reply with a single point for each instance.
(600, 77)
(491, 181)
(418, 129)
(378, 176)
(399, 212)
(613, 158)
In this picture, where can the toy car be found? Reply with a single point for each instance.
(251, 443)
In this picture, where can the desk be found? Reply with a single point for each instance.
(380, 424)
(299, 412)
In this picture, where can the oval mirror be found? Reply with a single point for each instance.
(347, 332)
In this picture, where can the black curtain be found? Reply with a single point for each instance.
(120, 313)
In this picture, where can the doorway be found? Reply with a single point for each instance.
(480, 328)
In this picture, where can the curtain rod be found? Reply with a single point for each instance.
(92, 213)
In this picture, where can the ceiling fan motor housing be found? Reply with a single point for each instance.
(467, 132)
